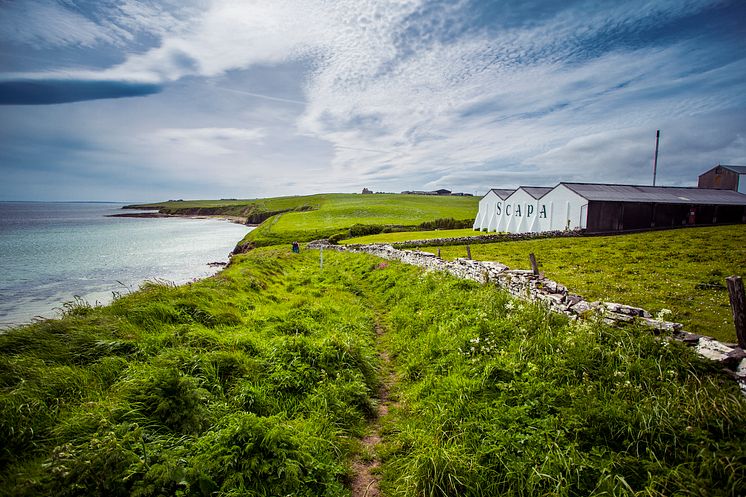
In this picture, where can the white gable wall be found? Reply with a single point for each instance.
(560, 209)
(565, 208)
(520, 213)
(488, 212)
(482, 213)
(742, 183)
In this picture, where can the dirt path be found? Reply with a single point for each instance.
(365, 480)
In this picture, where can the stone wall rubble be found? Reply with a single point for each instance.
(557, 298)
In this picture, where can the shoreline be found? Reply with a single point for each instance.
(233, 219)
(49, 306)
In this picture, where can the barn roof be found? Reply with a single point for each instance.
(536, 191)
(735, 169)
(503, 193)
(657, 194)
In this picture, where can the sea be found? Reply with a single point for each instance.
(53, 253)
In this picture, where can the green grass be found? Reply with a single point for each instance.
(338, 212)
(254, 382)
(683, 270)
(407, 236)
(258, 382)
(305, 218)
(498, 397)
(238, 207)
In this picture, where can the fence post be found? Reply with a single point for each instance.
(738, 306)
(321, 257)
(468, 252)
(534, 265)
(438, 252)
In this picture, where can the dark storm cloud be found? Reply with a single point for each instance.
(59, 91)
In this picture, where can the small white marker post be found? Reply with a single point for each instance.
(321, 257)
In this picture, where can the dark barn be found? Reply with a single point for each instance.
(629, 208)
(724, 178)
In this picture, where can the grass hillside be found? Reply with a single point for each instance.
(263, 379)
(305, 218)
(337, 213)
(253, 210)
(682, 270)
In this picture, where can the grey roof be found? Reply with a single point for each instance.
(735, 169)
(657, 194)
(503, 193)
(536, 191)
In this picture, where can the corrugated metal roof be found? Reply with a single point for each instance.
(657, 194)
(536, 191)
(735, 169)
(503, 193)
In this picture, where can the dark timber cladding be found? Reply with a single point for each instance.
(722, 177)
(627, 207)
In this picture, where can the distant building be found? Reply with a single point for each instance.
(367, 192)
(724, 178)
(598, 208)
(443, 192)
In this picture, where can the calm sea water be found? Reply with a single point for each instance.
(52, 252)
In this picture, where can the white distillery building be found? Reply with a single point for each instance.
(490, 209)
(521, 211)
(598, 208)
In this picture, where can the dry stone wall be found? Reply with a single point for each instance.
(528, 286)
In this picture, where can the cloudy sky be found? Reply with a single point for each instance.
(149, 100)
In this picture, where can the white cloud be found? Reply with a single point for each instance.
(207, 141)
(39, 23)
(530, 99)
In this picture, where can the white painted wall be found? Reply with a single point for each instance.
(559, 209)
(742, 183)
(521, 213)
(568, 209)
(486, 217)
(481, 213)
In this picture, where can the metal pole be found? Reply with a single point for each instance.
(655, 160)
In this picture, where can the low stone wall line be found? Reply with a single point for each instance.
(524, 284)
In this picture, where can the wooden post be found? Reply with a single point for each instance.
(438, 252)
(468, 252)
(738, 305)
(321, 258)
(534, 265)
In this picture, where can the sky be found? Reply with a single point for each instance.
(142, 100)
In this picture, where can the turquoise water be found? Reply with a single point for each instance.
(52, 252)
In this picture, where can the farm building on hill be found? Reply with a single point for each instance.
(724, 178)
(599, 208)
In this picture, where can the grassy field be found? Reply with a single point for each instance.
(497, 397)
(261, 381)
(681, 270)
(338, 212)
(254, 382)
(238, 207)
(407, 236)
(305, 218)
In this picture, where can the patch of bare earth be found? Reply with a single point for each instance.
(365, 478)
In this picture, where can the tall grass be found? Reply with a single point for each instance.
(682, 270)
(249, 383)
(257, 382)
(499, 397)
